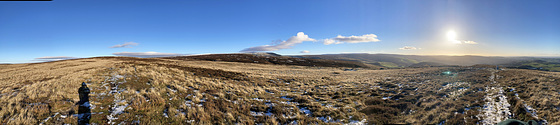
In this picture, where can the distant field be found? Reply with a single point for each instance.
(388, 64)
(549, 67)
(126, 90)
(544, 65)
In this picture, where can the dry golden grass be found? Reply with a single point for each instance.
(167, 91)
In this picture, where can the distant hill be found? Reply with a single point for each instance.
(398, 61)
(427, 64)
(273, 58)
(544, 64)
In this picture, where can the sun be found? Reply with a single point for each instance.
(452, 37)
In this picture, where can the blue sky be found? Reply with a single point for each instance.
(35, 31)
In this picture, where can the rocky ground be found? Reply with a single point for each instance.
(177, 91)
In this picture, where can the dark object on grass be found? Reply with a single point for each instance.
(84, 94)
(84, 108)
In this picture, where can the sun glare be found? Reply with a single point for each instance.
(452, 37)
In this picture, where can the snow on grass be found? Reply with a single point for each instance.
(530, 109)
(495, 111)
(287, 98)
(260, 100)
(389, 97)
(47, 119)
(451, 85)
(305, 111)
(165, 113)
(458, 92)
(327, 119)
(356, 122)
(253, 113)
(118, 108)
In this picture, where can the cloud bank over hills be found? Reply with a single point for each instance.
(302, 37)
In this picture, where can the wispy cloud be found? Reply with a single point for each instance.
(146, 54)
(351, 39)
(127, 44)
(357, 39)
(408, 48)
(470, 42)
(301, 37)
(463, 42)
(330, 41)
(292, 41)
(53, 58)
(304, 51)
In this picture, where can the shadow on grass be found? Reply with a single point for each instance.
(84, 109)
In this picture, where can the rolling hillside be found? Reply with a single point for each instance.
(396, 61)
(272, 58)
(127, 90)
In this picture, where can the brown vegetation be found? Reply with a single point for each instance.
(194, 91)
(278, 60)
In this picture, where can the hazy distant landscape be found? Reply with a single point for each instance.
(399, 61)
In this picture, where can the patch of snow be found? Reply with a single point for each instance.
(165, 113)
(384, 98)
(531, 110)
(293, 122)
(172, 90)
(356, 122)
(305, 111)
(494, 111)
(285, 97)
(253, 113)
(190, 121)
(260, 100)
(289, 103)
(47, 119)
(270, 104)
(116, 109)
(328, 119)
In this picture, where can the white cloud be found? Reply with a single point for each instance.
(304, 51)
(292, 41)
(127, 44)
(470, 42)
(357, 39)
(351, 39)
(331, 41)
(408, 48)
(146, 54)
(53, 58)
(301, 37)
